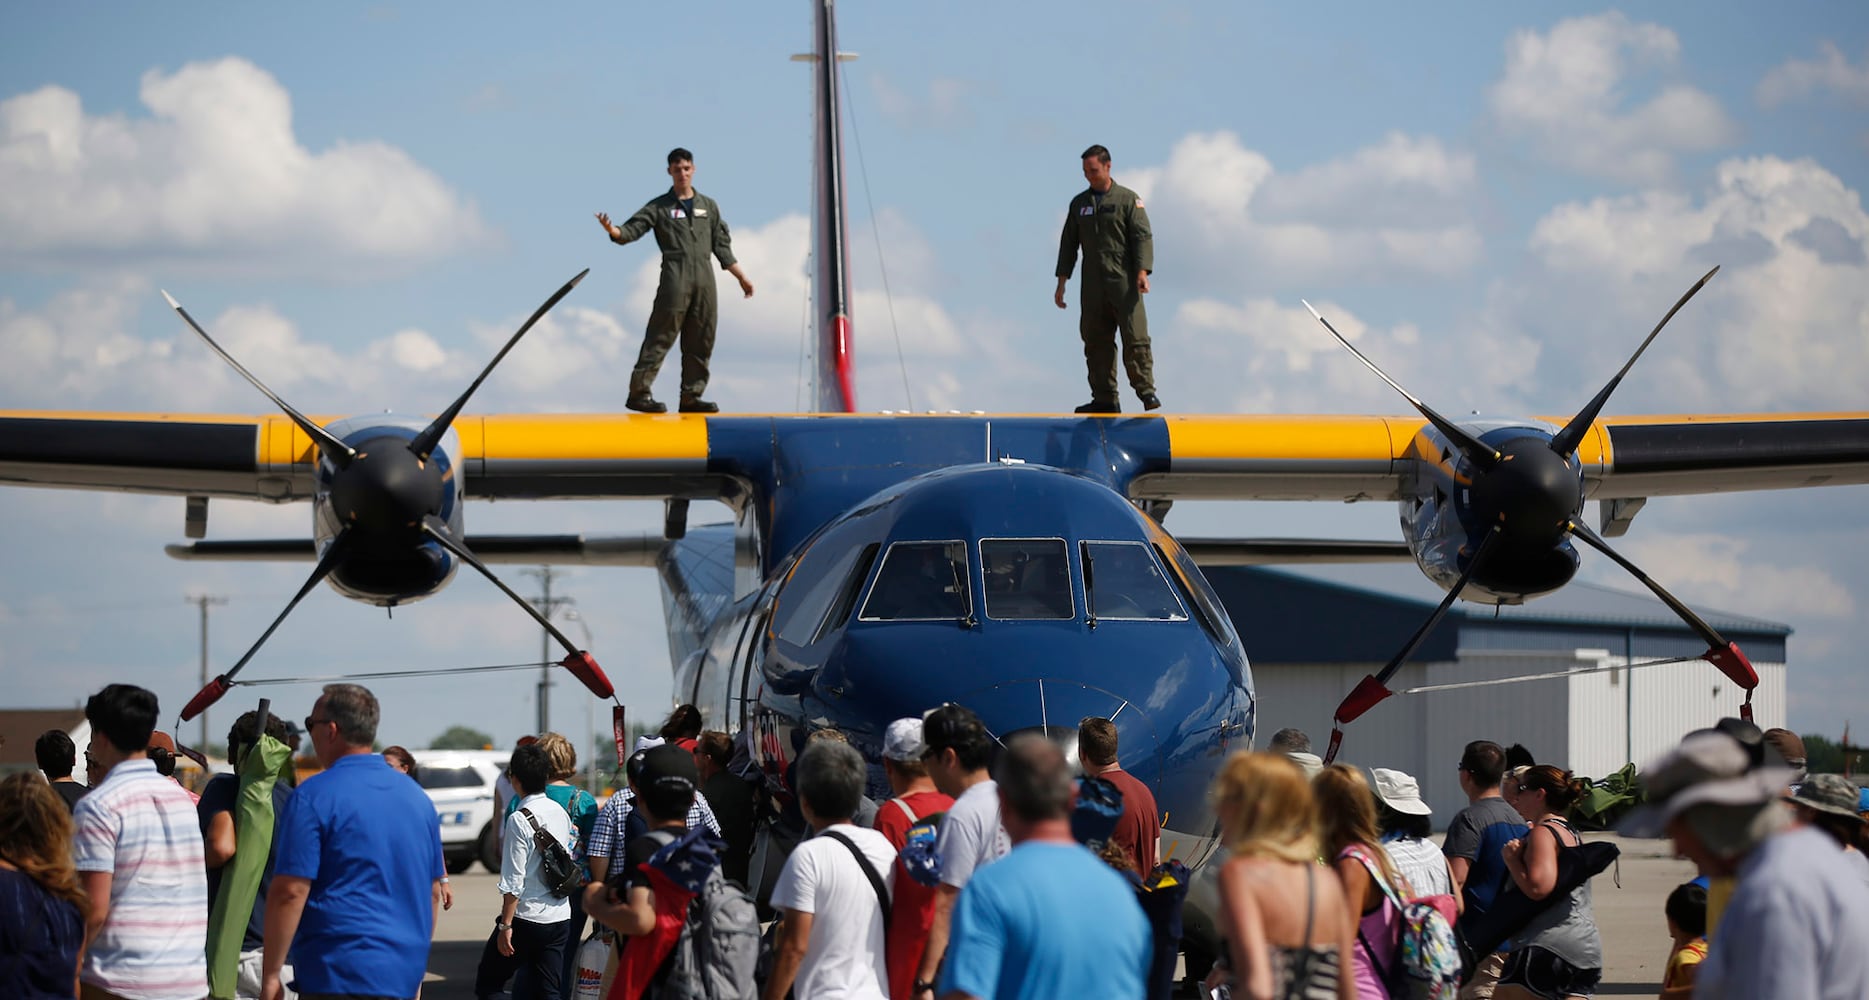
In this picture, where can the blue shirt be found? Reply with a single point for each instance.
(1479, 833)
(1047, 921)
(39, 939)
(369, 840)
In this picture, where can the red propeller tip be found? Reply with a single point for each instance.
(1367, 694)
(216, 688)
(1734, 664)
(584, 667)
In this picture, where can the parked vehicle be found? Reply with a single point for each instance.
(461, 783)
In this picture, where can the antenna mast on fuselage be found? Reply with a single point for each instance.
(833, 376)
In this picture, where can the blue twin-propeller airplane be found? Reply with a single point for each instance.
(878, 566)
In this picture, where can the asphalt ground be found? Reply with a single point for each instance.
(1635, 940)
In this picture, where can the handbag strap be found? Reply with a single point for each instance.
(906, 811)
(869, 872)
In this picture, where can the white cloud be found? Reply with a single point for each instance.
(1392, 209)
(1568, 93)
(214, 174)
(1782, 325)
(82, 348)
(1720, 571)
(1831, 71)
(1262, 356)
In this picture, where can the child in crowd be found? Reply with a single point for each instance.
(1686, 911)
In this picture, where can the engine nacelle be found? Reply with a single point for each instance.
(390, 563)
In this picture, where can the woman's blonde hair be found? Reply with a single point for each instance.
(561, 754)
(35, 836)
(1348, 810)
(1266, 807)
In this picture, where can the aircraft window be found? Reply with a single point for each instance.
(1123, 583)
(1027, 578)
(804, 601)
(1206, 602)
(847, 597)
(921, 581)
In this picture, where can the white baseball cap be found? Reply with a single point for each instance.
(1399, 792)
(902, 741)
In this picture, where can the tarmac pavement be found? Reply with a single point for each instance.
(1635, 940)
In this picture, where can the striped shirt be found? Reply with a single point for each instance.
(607, 839)
(141, 828)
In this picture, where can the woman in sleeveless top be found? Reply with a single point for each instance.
(1286, 926)
(1351, 841)
(1559, 953)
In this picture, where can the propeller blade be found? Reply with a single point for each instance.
(1567, 439)
(1373, 688)
(1477, 451)
(1707, 633)
(333, 554)
(328, 443)
(424, 443)
(437, 529)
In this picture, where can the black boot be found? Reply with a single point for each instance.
(1101, 406)
(1151, 401)
(695, 404)
(642, 402)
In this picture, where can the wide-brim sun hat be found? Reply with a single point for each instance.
(1399, 791)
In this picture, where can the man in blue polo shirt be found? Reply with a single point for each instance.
(357, 872)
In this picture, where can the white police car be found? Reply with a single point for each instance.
(460, 782)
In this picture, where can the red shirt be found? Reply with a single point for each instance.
(1139, 831)
(912, 908)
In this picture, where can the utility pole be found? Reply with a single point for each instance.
(548, 606)
(204, 602)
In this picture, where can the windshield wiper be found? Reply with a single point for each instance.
(967, 620)
(1090, 585)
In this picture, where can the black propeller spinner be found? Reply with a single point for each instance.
(387, 492)
(1527, 496)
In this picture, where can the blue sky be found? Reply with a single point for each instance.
(362, 201)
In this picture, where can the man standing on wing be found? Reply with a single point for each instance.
(1107, 220)
(688, 227)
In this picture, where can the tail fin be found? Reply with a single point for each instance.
(833, 379)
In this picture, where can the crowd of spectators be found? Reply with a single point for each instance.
(992, 869)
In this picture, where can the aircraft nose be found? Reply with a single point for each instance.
(1054, 707)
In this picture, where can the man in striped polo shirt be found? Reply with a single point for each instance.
(139, 858)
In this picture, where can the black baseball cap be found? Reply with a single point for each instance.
(666, 766)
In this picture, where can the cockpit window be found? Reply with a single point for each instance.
(921, 581)
(1027, 578)
(1123, 583)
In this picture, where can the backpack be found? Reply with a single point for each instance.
(918, 855)
(719, 945)
(560, 871)
(1427, 956)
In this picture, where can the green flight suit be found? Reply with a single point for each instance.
(1113, 231)
(686, 305)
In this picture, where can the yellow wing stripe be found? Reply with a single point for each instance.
(1317, 438)
(567, 437)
